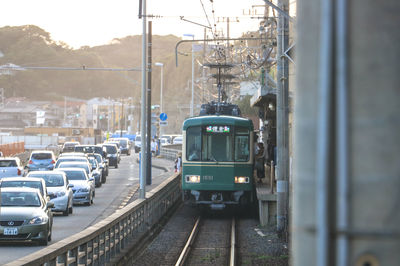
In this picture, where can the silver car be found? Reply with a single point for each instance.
(31, 182)
(84, 188)
(70, 159)
(25, 215)
(58, 189)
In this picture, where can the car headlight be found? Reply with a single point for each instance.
(192, 178)
(83, 190)
(242, 179)
(60, 193)
(39, 220)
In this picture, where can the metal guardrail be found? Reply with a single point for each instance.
(170, 152)
(109, 238)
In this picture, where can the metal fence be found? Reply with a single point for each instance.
(170, 152)
(109, 238)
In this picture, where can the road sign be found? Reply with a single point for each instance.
(163, 116)
(163, 123)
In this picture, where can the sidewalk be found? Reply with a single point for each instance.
(167, 168)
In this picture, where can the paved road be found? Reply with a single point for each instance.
(120, 185)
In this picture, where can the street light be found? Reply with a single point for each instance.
(192, 103)
(161, 93)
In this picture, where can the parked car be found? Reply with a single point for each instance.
(164, 141)
(58, 188)
(70, 159)
(103, 165)
(96, 171)
(31, 182)
(138, 143)
(69, 146)
(84, 165)
(73, 154)
(113, 154)
(124, 145)
(25, 215)
(177, 140)
(84, 188)
(41, 161)
(11, 166)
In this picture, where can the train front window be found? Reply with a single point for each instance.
(218, 143)
(193, 144)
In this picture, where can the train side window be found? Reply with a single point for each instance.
(242, 148)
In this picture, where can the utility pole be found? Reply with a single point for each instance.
(282, 119)
(148, 142)
(143, 168)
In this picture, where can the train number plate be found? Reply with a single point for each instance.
(10, 231)
(208, 178)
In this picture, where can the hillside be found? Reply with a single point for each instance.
(32, 46)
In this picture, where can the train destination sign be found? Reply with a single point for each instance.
(218, 129)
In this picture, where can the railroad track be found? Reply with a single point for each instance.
(210, 241)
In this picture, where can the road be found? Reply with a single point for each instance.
(121, 183)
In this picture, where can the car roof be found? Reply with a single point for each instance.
(16, 178)
(73, 169)
(53, 172)
(8, 158)
(72, 157)
(20, 189)
(73, 163)
(73, 154)
(43, 151)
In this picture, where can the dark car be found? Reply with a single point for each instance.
(69, 146)
(91, 149)
(112, 154)
(124, 145)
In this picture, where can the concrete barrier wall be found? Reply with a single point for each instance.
(109, 239)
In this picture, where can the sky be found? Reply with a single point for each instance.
(96, 22)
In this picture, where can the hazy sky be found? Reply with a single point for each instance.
(96, 22)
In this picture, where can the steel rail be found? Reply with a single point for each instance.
(232, 255)
(182, 258)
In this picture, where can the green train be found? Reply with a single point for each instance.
(217, 161)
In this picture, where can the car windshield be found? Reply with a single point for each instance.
(52, 180)
(41, 156)
(75, 159)
(31, 184)
(98, 158)
(123, 143)
(111, 149)
(75, 175)
(23, 199)
(138, 138)
(8, 163)
(66, 165)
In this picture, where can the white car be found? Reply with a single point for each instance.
(84, 189)
(178, 140)
(11, 166)
(58, 189)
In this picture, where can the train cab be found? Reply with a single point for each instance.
(217, 161)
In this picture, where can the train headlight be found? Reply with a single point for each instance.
(192, 179)
(241, 179)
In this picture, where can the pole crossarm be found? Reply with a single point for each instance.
(182, 18)
(282, 12)
(69, 68)
(209, 40)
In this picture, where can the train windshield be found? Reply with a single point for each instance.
(218, 143)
